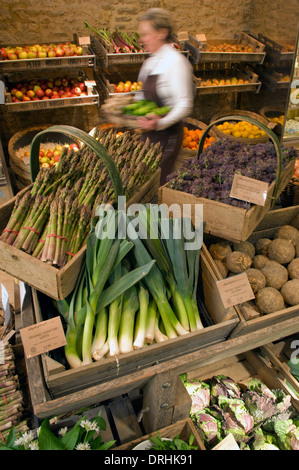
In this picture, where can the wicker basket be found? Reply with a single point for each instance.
(186, 154)
(237, 112)
(268, 112)
(23, 138)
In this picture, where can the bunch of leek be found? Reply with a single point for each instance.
(101, 285)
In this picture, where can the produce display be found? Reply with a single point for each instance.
(228, 47)
(223, 82)
(241, 129)
(134, 290)
(41, 51)
(128, 86)
(120, 41)
(211, 175)
(51, 220)
(11, 396)
(259, 418)
(49, 154)
(277, 119)
(271, 265)
(192, 137)
(35, 90)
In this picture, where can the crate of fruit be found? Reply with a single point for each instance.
(268, 258)
(17, 57)
(49, 91)
(276, 51)
(205, 181)
(242, 47)
(79, 182)
(241, 81)
(251, 404)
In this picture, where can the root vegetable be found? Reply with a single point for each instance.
(289, 233)
(245, 247)
(222, 268)
(262, 245)
(256, 279)
(220, 250)
(276, 274)
(269, 300)
(281, 250)
(259, 261)
(290, 292)
(293, 269)
(238, 262)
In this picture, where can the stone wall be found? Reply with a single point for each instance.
(31, 21)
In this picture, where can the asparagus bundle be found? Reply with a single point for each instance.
(11, 398)
(108, 315)
(51, 221)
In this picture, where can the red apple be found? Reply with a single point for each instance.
(42, 54)
(50, 84)
(3, 53)
(77, 91)
(55, 95)
(69, 94)
(48, 92)
(13, 91)
(12, 56)
(62, 92)
(39, 93)
(36, 87)
(64, 82)
(44, 86)
(59, 52)
(82, 86)
(73, 146)
(55, 88)
(50, 153)
(26, 98)
(35, 99)
(45, 98)
(68, 51)
(57, 82)
(31, 94)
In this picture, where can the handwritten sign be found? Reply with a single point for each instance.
(43, 337)
(235, 290)
(249, 190)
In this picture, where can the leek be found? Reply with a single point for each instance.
(127, 322)
(151, 322)
(140, 331)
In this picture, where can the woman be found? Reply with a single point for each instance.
(167, 78)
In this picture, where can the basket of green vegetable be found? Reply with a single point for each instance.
(124, 110)
(208, 180)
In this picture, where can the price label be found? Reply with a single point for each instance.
(84, 41)
(228, 443)
(43, 337)
(235, 290)
(249, 190)
(183, 36)
(201, 37)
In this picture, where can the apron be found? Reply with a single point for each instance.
(170, 139)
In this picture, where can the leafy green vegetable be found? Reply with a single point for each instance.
(159, 443)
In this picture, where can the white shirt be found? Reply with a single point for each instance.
(174, 84)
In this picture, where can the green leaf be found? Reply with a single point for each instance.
(47, 439)
(71, 438)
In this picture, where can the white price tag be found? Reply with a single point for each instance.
(235, 290)
(249, 190)
(6, 306)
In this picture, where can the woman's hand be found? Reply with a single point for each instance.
(149, 123)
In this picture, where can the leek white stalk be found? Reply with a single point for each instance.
(127, 322)
(98, 354)
(115, 310)
(140, 331)
(100, 335)
(151, 322)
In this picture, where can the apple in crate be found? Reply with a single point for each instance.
(30, 94)
(51, 53)
(19, 95)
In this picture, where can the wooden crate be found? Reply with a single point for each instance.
(267, 227)
(278, 355)
(61, 381)
(183, 429)
(56, 283)
(223, 220)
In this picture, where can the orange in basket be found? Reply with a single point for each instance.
(192, 138)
